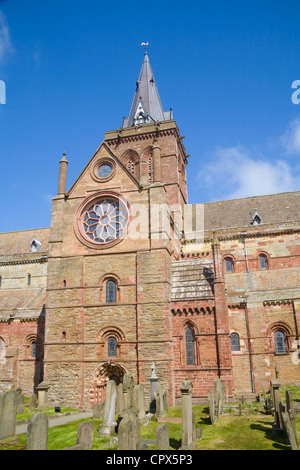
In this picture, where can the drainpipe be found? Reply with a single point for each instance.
(244, 301)
(245, 249)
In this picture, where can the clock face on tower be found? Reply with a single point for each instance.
(102, 220)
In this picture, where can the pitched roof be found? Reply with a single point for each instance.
(18, 243)
(146, 98)
(273, 209)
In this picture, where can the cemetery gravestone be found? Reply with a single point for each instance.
(119, 403)
(162, 437)
(37, 432)
(129, 432)
(97, 410)
(85, 435)
(166, 400)
(109, 424)
(140, 401)
(20, 404)
(8, 413)
(211, 404)
(32, 402)
(159, 402)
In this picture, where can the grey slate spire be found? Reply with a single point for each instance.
(146, 106)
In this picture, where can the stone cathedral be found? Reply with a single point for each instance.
(129, 274)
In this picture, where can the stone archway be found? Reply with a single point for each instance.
(105, 373)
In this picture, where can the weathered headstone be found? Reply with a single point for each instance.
(159, 402)
(289, 428)
(128, 389)
(166, 400)
(109, 424)
(32, 402)
(43, 402)
(275, 392)
(37, 432)
(219, 396)
(187, 413)
(140, 400)
(119, 402)
(289, 400)
(8, 413)
(162, 437)
(291, 409)
(212, 409)
(85, 435)
(129, 432)
(97, 410)
(20, 404)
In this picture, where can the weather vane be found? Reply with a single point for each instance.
(146, 45)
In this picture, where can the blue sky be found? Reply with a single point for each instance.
(70, 67)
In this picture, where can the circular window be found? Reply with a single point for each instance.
(103, 220)
(105, 170)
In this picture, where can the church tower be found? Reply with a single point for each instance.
(113, 237)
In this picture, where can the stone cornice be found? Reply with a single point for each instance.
(43, 259)
(265, 231)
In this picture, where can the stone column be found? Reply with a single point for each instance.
(63, 164)
(42, 389)
(187, 413)
(156, 162)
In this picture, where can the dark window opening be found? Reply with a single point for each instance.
(111, 347)
(111, 291)
(189, 346)
(228, 265)
(279, 338)
(235, 342)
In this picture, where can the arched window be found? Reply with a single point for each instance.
(263, 262)
(0, 281)
(235, 342)
(64, 283)
(228, 265)
(189, 347)
(28, 279)
(279, 339)
(111, 347)
(150, 170)
(130, 166)
(111, 291)
(33, 349)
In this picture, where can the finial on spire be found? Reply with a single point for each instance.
(146, 44)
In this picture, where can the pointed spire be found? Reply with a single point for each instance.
(146, 106)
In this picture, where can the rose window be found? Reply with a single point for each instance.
(105, 220)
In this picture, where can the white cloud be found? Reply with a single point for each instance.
(5, 42)
(291, 139)
(233, 173)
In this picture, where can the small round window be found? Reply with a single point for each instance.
(104, 170)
